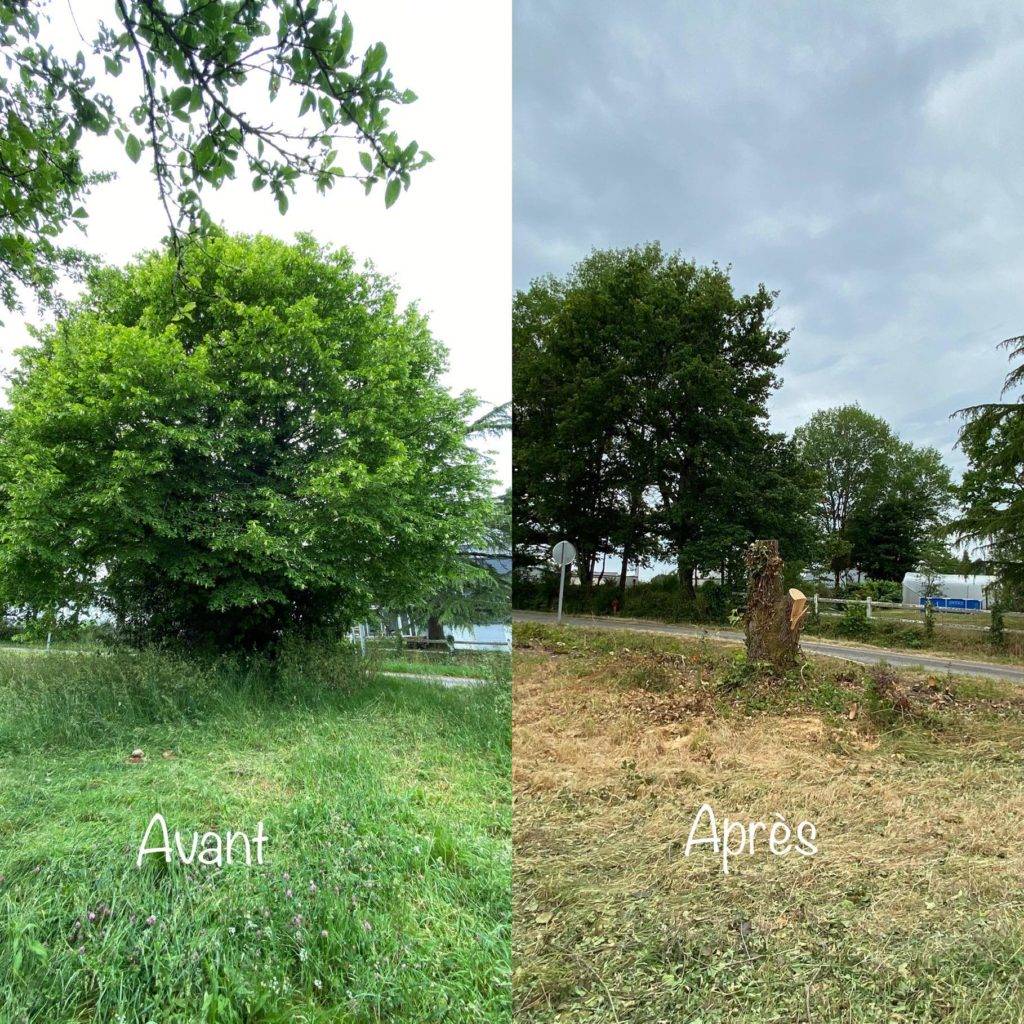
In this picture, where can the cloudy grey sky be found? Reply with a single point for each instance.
(863, 159)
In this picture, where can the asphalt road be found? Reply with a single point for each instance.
(845, 652)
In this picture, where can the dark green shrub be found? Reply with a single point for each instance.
(877, 590)
(996, 631)
(910, 638)
(854, 623)
(714, 602)
(659, 602)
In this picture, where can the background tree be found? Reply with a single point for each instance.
(483, 595)
(641, 384)
(991, 493)
(196, 67)
(702, 364)
(567, 371)
(267, 451)
(879, 498)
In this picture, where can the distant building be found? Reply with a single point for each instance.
(955, 593)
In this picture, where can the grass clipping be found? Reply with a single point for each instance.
(911, 910)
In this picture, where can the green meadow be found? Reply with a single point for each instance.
(384, 892)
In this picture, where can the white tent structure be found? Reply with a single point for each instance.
(955, 593)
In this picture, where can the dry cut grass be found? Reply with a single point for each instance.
(911, 910)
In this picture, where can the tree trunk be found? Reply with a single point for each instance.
(624, 572)
(773, 618)
(585, 569)
(435, 630)
(685, 571)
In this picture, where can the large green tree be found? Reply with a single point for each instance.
(197, 66)
(879, 498)
(641, 382)
(991, 493)
(252, 444)
(568, 402)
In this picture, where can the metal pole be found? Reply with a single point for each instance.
(561, 591)
(362, 638)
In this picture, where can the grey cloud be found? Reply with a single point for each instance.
(864, 160)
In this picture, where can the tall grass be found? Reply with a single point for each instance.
(385, 892)
(59, 697)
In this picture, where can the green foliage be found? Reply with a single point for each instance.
(654, 599)
(196, 68)
(482, 595)
(714, 601)
(929, 622)
(877, 590)
(854, 623)
(997, 628)
(991, 493)
(641, 383)
(880, 499)
(742, 672)
(45, 106)
(249, 444)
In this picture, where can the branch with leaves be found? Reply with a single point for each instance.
(196, 68)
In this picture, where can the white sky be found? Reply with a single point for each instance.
(446, 242)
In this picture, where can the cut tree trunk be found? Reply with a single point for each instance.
(774, 617)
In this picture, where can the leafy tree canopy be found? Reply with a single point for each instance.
(195, 65)
(641, 382)
(878, 498)
(483, 595)
(992, 490)
(252, 444)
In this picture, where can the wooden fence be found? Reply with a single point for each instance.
(871, 606)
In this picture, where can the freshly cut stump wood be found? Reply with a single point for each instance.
(774, 618)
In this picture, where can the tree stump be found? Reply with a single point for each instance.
(774, 618)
